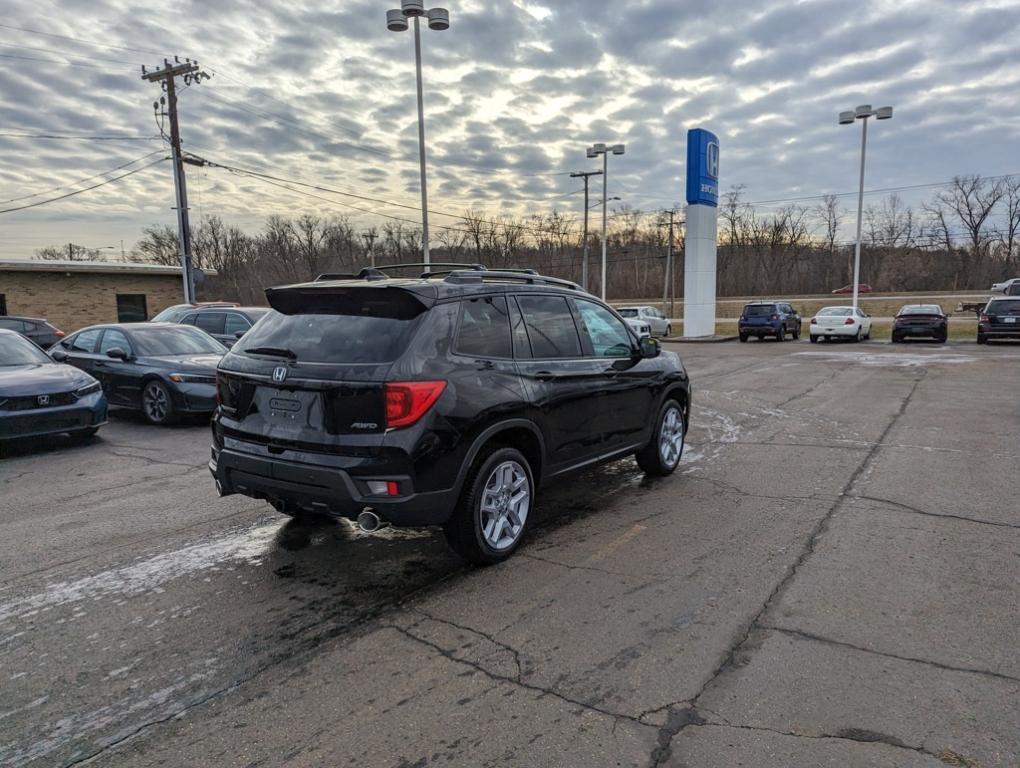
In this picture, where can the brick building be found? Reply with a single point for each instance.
(72, 294)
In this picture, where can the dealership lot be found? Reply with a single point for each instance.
(831, 579)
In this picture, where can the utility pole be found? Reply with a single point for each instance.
(370, 237)
(669, 282)
(584, 261)
(167, 75)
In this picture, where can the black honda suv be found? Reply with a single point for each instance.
(444, 399)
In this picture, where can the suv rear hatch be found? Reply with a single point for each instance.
(311, 375)
(758, 314)
(1003, 314)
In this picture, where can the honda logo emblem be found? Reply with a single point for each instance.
(44, 399)
(712, 160)
(280, 374)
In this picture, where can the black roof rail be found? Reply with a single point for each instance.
(368, 273)
(527, 276)
(450, 264)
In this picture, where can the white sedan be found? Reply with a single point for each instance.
(640, 327)
(657, 322)
(1008, 287)
(840, 323)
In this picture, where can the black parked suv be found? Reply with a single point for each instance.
(445, 399)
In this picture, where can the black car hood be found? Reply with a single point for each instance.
(205, 363)
(41, 379)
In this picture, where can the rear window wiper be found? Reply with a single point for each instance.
(273, 352)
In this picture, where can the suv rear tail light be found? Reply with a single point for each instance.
(984, 318)
(814, 321)
(849, 321)
(407, 401)
(775, 317)
(59, 333)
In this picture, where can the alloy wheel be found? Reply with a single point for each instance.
(506, 500)
(157, 406)
(671, 437)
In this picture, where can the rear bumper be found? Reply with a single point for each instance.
(839, 330)
(759, 330)
(325, 489)
(926, 331)
(998, 332)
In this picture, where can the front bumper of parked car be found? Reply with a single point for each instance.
(87, 413)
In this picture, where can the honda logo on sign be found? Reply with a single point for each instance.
(279, 374)
(44, 399)
(712, 160)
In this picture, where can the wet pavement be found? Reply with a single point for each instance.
(831, 579)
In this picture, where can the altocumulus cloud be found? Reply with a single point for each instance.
(514, 92)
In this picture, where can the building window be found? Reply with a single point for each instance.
(131, 308)
(3, 304)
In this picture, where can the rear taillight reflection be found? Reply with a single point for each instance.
(407, 401)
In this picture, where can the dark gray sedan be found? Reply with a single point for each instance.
(162, 369)
(41, 397)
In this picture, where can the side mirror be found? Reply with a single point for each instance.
(59, 355)
(238, 334)
(649, 347)
(117, 353)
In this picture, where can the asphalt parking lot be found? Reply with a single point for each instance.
(832, 579)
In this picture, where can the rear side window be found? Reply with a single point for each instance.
(756, 310)
(235, 323)
(12, 325)
(354, 332)
(210, 322)
(484, 328)
(550, 326)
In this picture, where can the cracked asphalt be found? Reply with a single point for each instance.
(832, 579)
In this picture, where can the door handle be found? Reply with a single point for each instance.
(545, 375)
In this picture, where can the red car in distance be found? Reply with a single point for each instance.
(861, 288)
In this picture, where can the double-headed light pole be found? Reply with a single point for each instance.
(604, 150)
(862, 113)
(396, 21)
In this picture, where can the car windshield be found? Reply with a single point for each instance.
(921, 309)
(1003, 307)
(183, 340)
(836, 311)
(628, 312)
(755, 310)
(17, 350)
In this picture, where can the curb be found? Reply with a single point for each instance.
(699, 339)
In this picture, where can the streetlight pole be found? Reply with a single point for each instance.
(396, 21)
(594, 151)
(584, 259)
(862, 113)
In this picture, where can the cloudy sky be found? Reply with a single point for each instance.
(321, 93)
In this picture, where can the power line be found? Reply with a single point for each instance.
(65, 53)
(52, 61)
(82, 40)
(82, 181)
(81, 191)
(77, 138)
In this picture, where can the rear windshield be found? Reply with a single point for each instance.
(836, 311)
(331, 337)
(921, 309)
(755, 310)
(1003, 307)
(628, 313)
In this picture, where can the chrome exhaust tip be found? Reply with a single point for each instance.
(370, 522)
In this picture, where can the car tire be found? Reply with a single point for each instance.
(487, 525)
(669, 330)
(796, 334)
(743, 337)
(982, 339)
(85, 434)
(859, 336)
(781, 336)
(896, 338)
(662, 455)
(814, 339)
(157, 403)
(942, 338)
